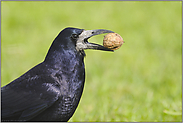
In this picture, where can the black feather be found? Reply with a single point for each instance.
(51, 90)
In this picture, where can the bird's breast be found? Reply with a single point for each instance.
(71, 78)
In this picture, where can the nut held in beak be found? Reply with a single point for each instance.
(112, 41)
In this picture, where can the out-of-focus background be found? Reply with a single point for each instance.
(141, 81)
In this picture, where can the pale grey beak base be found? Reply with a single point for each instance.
(83, 43)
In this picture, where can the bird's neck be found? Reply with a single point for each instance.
(67, 67)
(63, 56)
(58, 52)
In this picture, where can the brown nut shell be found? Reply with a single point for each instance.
(113, 41)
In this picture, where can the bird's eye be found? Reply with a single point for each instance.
(74, 36)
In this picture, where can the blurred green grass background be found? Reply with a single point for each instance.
(139, 82)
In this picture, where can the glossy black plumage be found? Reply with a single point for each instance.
(51, 90)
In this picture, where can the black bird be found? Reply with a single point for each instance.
(51, 90)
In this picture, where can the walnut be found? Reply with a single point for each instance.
(113, 41)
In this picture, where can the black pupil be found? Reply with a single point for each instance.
(75, 36)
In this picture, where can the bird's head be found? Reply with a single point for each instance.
(74, 40)
(79, 37)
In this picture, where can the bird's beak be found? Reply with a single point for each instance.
(83, 43)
